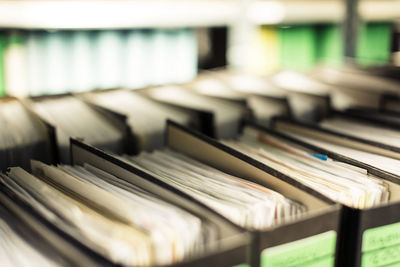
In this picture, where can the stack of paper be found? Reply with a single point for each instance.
(21, 137)
(363, 130)
(18, 251)
(73, 118)
(118, 220)
(383, 163)
(146, 118)
(245, 203)
(338, 181)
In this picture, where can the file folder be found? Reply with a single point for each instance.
(227, 116)
(63, 241)
(339, 97)
(54, 156)
(373, 132)
(204, 119)
(262, 99)
(60, 151)
(285, 244)
(309, 100)
(351, 86)
(349, 140)
(131, 144)
(17, 116)
(360, 227)
(133, 119)
(233, 245)
(287, 126)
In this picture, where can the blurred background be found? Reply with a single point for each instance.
(53, 47)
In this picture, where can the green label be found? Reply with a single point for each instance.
(381, 237)
(317, 250)
(382, 257)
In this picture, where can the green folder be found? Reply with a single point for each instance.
(373, 45)
(298, 47)
(329, 44)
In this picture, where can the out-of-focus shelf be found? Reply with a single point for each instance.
(114, 14)
(287, 12)
(312, 11)
(384, 10)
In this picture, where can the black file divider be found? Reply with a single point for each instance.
(322, 218)
(201, 120)
(390, 103)
(359, 143)
(300, 125)
(52, 152)
(250, 112)
(362, 227)
(51, 132)
(52, 129)
(371, 115)
(322, 104)
(364, 118)
(282, 101)
(62, 240)
(234, 245)
(48, 155)
(131, 144)
(208, 118)
(319, 101)
(242, 97)
(204, 119)
(238, 101)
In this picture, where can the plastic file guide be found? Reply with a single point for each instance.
(233, 245)
(371, 236)
(292, 237)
